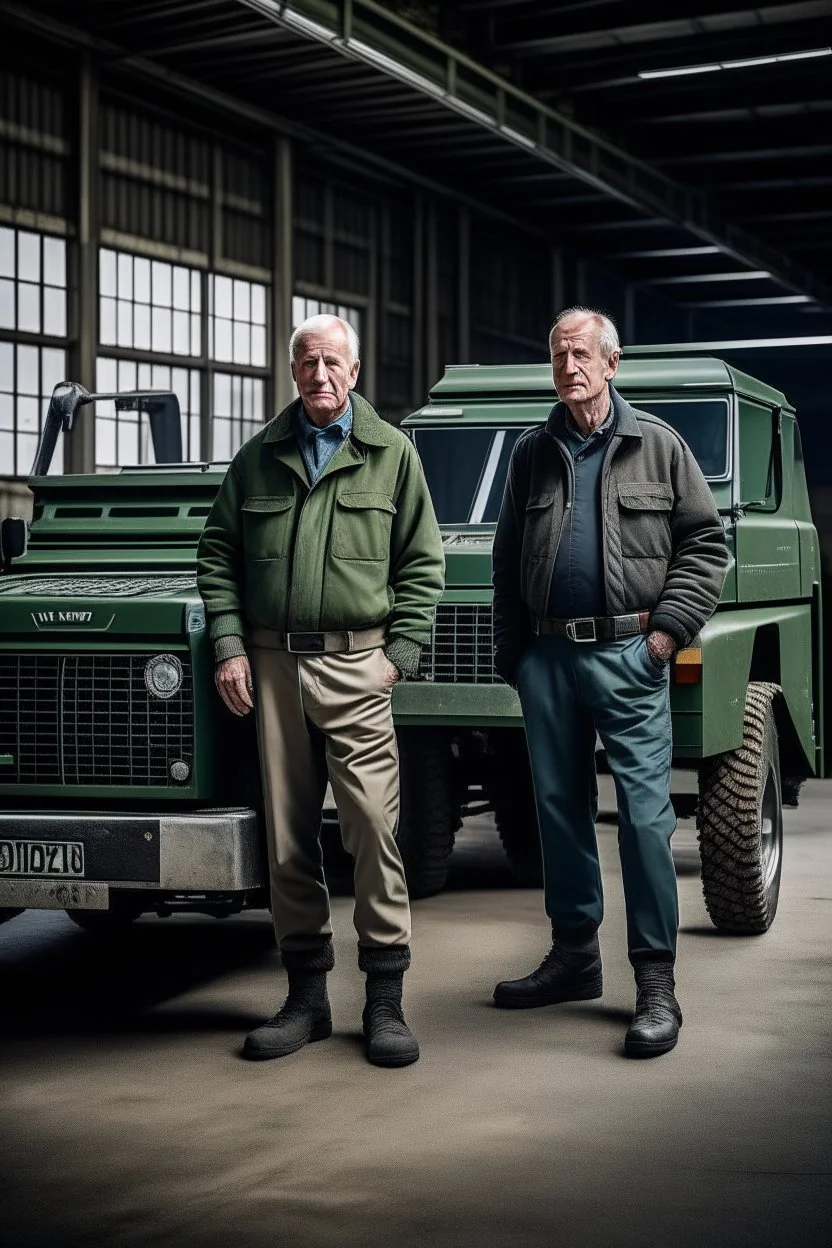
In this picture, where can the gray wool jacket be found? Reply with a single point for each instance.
(664, 545)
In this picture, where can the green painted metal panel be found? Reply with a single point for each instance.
(650, 374)
(429, 703)
(727, 648)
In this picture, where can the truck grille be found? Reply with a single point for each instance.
(89, 719)
(462, 646)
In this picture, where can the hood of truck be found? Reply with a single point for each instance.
(137, 520)
(58, 607)
(468, 561)
(468, 556)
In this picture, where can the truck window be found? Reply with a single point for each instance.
(703, 423)
(759, 457)
(466, 471)
(466, 467)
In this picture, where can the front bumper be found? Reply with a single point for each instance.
(209, 851)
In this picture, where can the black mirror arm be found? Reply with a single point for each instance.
(161, 407)
(67, 397)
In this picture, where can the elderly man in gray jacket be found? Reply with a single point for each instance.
(609, 555)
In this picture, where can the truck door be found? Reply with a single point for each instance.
(767, 542)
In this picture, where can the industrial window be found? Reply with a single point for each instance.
(239, 407)
(303, 308)
(205, 338)
(238, 321)
(149, 305)
(27, 377)
(32, 283)
(124, 437)
(33, 316)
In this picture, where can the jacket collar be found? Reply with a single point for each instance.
(367, 425)
(626, 424)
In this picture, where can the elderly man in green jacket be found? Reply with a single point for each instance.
(320, 567)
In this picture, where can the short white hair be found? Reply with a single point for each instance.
(608, 339)
(321, 323)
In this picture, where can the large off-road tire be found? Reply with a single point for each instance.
(110, 922)
(511, 792)
(428, 816)
(740, 822)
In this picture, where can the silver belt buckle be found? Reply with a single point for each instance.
(305, 643)
(572, 627)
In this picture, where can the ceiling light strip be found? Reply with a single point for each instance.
(746, 63)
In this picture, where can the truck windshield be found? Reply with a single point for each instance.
(466, 467)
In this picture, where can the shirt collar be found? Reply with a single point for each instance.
(603, 430)
(309, 431)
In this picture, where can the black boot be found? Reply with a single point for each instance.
(390, 1042)
(571, 971)
(305, 1014)
(656, 1022)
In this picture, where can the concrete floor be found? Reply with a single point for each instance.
(127, 1118)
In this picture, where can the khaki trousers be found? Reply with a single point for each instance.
(329, 714)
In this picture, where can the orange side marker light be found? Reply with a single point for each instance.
(687, 667)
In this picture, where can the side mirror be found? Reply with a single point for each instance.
(67, 397)
(14, 534)
(160, 406)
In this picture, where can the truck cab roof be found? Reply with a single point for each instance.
(520, 392)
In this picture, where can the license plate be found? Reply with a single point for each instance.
(51, 859)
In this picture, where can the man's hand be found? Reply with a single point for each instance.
(662, 647)
(233, 681)
(391, 672)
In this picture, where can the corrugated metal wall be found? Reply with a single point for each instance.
(34, 146)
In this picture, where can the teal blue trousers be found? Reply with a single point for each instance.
(568, 691)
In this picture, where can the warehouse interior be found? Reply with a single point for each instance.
(181, 183)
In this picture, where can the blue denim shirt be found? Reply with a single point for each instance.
(317, 446)
(577, 587)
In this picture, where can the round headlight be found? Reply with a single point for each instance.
(163, 675)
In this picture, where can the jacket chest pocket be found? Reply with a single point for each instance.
(538, 526)
(361, 527)
(267, 527)
(644, 509)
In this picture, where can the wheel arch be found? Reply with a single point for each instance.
(771, 645)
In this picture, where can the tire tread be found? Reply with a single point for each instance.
(730, 793)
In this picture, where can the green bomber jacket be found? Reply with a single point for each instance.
(358, 548)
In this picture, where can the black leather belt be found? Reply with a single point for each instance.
(336, 641)
(595, 627)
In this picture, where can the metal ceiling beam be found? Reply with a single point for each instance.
(641, 223)
(740, 344)
(746, 156)
(374, 165)
(220, 42)
(819, 214)
(761, 302)
(686, 279)
(671, 29)
(427, 65)
(664, 253)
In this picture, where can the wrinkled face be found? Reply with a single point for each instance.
(324, 373)
(580, 368)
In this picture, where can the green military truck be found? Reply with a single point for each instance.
(126, 787)
(746, 696)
